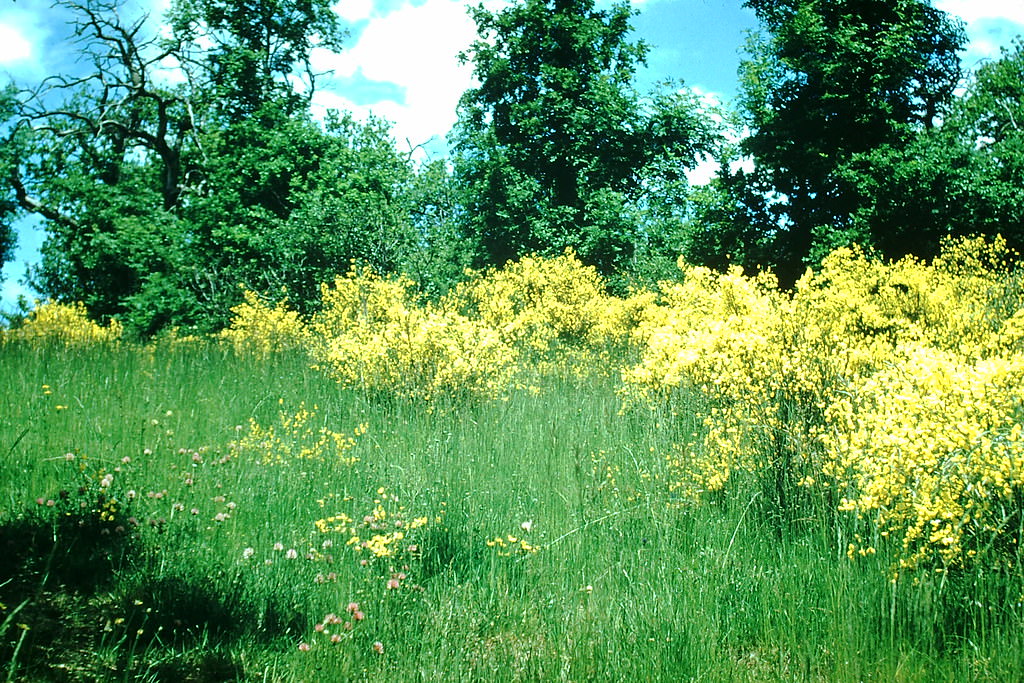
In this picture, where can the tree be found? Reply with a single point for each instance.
(248, 52)
(827, 81)
(963, 177)
(555, 144)
(101, 157)
(8, 156)
(162, 196)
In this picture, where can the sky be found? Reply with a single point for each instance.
(400, 63)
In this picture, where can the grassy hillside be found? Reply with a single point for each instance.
(648, 491)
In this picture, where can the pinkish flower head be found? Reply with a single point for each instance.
(378, 647)
(352, 607)
(358, 616)
(304, 647)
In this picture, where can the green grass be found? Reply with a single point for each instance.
(629, 582)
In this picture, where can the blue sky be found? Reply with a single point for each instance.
(400, 60)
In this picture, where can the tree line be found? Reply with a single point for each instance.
(163, 197)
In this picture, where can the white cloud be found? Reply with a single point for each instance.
(990, 25)
(972, 11)
(414, 48)
(14, 47)
(354, 10)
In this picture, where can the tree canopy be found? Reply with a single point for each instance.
(163, 196)
(821, 83)
(179, 161)
(555, 144)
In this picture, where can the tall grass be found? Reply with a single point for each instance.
(618, 578)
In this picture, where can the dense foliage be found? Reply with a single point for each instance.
(177, 167)
(164, 191)
(555, 148)
(885, 390)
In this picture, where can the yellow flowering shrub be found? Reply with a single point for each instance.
(894, 384)
(261, 329)
(373, 333)
(719, 337)
(535, 302)
(930, 450)
(67, 324)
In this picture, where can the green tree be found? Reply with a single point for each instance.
(101, 156)
(246, 52)
(8, 157)
(824, 82)
(963, 177)
(555, 146)
(162, 199)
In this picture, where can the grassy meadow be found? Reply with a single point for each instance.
(350, 497)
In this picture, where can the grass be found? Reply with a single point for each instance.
(183, 578)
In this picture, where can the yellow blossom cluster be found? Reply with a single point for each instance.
(385, 531)
(507, 546)
(717, 337)
(259, 328)
(296, 437)
(536, 303)
(373, 333)
(894, 384)
(930, 450)
(67, 324)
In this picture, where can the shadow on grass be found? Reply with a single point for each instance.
(77, 604)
